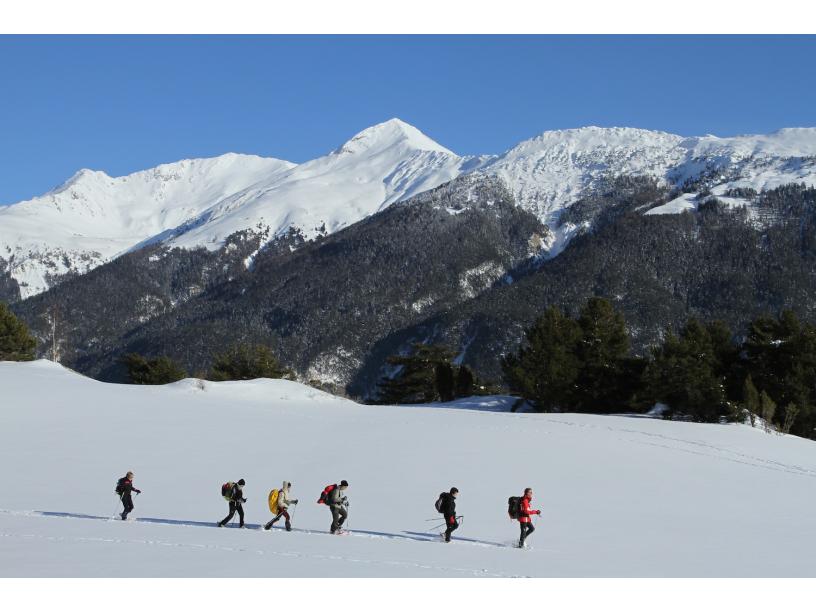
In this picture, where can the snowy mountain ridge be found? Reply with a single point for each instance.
(92, 217)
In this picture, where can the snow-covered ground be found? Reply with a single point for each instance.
(620, 496)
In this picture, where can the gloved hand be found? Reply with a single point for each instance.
(294, 502)
(243, 500)
(345, 503)
(138, 492)
(538, 512)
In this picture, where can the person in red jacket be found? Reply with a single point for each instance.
(525, 522)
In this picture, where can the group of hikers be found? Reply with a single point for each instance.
(333, 496)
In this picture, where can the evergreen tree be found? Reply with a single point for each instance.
(444, 381)
(780, 355)
(247, 362)
(601, 352)
(684, 375)
(157, 371)
(16, 343)
(415, 380)
(465, 385)
(546, 367)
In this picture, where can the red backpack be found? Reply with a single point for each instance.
(324, 496)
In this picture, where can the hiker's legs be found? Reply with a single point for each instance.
(127, 503)
(228, 518)
(452, 525)
(339, 516)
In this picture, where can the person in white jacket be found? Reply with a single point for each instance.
(284, 501)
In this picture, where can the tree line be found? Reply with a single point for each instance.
(701, 373)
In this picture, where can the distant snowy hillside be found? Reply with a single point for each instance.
(620, 496)
(93, 217)
(378, 166)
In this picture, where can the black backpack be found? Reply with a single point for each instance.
(120, 486)
(439, 502)
(514, 507)
(226, 490)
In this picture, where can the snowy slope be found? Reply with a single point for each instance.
(380, 165)
(621, 496)
(195, 203)
(93, 217)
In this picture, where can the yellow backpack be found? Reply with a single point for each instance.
(273, 501)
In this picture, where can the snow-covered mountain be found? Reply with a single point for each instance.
(92, 218)
(620, 496)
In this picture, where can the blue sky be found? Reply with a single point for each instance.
(122, 104)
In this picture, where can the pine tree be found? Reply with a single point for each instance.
(157, 371)
(444, 382)
(415, 379)
(780, 355)
(16, 343)
(603, 346)
(546, 366)
(247, 362)
(465, 382)
(684, 375)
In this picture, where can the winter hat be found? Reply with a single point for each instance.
(343, 483)
(241, 483)
(454, 490)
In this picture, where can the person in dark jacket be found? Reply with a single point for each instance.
(236, 499)
(525, 512)
(338, 504)
(448, 508)
(124, 487)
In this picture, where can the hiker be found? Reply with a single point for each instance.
(525, 522)
(283, 502)
(338, 504)
(124, 487)
(235, 496)
(447, 506)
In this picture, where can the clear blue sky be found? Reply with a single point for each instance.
(122, 104)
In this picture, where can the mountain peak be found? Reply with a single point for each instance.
(81, 176)
(387, 134)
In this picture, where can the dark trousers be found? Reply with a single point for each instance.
(526, 529)
(452, 525)
(233, 507)
(283, 513)
(127, 502)
(339, 516)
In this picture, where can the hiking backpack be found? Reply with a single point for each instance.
(514, 507)
(226, 490)
(324, 496)
(120, 487)
(274, 494)
(439, 502)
